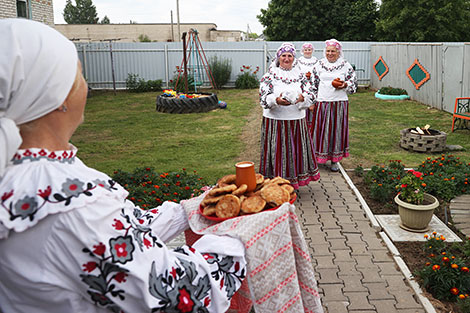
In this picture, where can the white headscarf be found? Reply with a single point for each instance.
(37, 70)
(305, 46)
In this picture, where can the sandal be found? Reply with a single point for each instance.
(334, 167)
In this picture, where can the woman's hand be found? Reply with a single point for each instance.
(312, 107)
(282, 101)
(300, 99)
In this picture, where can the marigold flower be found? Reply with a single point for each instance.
(454, 266)
(434, 233)
(461, 296)
(445, 259)
(454, 291)
(426, 236)
(465, 269)
(423, 184)
(444, 253)
(431, 255)
(428, 263)
(436, 267)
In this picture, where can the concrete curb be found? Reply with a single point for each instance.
(390, 246)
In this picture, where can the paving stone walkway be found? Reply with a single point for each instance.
(354, 269)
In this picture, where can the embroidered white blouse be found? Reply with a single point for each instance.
(289, 83)
(325, 72)
(305, 64)
(71, 242)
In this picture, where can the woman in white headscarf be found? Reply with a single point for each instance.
(307, 60)
(286, 146)
(329, 122)
(69, 239)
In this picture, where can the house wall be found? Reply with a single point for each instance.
(155, 32)
(41, 10)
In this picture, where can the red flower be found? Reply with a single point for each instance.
(185, 303)
(120, 277)
(465, 269)
(445, 259)
(404, 185)
(118, 225)
(147, 243)
(89, 267)
(454, 291)
(173, 272)
(207, 301)
(7, 195)
(99, 249)
(187, 188)
(121, 249)
(154, 211)
(436, 267)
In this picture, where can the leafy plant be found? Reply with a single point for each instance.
(247, 79)
(392, 91)
(144, 38)
(382, 180)
(149, 189)
(444, 275)
(411, 187)
(177, 83)
(221, 69)
(136, 84)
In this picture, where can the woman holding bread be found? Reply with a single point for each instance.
(333, 79)
(286, 145)
(70, 241)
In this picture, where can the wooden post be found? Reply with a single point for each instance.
(185, 62)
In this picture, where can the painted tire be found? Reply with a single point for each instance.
(391, 97)
(187, 105)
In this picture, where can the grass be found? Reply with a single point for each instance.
(125, 132)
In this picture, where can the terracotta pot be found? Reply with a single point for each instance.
(416, 217)
(245, 174)
(337, 83)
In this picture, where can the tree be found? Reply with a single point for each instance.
(84, 12)
(424, 20)
(297, 20)
(105, 20)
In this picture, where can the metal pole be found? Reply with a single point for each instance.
(172, 32)
(178, 17)
(167, 75)
(84, 66)
(185, 73)
(112, 65)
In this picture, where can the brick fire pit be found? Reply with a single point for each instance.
(436, 142)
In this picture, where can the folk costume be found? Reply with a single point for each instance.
(70, 240)
(328, 122)
(286, 146)
(306, 64)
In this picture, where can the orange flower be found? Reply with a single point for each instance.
(423, 184)
(461, 296)
(426, 236)
(465, 269)
(435, 267)
(445, 259)
(455, 266)
(428, 263)
(454, 291)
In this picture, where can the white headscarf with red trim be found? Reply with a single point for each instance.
(37, 70)
(335, 43)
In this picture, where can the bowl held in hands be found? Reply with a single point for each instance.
(337, 83)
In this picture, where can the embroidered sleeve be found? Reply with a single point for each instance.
(351, 80)
(266, 92)
(315, 82)
(124, 260)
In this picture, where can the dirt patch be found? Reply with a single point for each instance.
(251, 136)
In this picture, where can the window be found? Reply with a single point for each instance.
(22, 8)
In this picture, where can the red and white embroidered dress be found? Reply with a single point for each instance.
(71, 242)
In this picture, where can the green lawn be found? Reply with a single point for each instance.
(125, 131)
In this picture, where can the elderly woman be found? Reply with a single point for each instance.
(307, 61)
(286, 146)
(329, 116)
(70, 240)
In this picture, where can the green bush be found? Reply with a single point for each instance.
(136, 84)
(392, 91)
(221, 69)
(144, 38)
(382, 180)
(149, 189)
(247, 79)
(177, 84)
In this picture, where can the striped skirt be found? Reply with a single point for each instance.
(330, 130)
(287, 151)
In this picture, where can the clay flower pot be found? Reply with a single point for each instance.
(416, 217)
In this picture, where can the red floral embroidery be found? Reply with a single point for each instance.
(42, 152)
(121, 249)
(89, 267)
(118, 225)
(207, 301)
(185, 303)
(45, 193)
(173, 272)
(99, 249)
(27, 153)
(120, 277)
(147, 243)
(7, 195)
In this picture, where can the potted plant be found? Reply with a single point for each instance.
(390, 93)
(415, 207)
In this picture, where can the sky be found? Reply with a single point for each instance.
(227, 15)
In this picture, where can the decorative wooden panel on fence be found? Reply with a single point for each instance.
(417, 74)
(380, 68)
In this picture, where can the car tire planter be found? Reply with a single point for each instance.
(391, 97)
(207, 102)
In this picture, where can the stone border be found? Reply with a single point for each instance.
(391, 97)
(390, 246)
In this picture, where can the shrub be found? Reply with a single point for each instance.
(382, 180)
(144, 38)
(392, 91)
(136, 84)
(445, 275)
(177, 83)
(221, 69)
(247, 79)
(149, 189)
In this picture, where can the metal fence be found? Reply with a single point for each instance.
(448, 65)
(158, 60)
